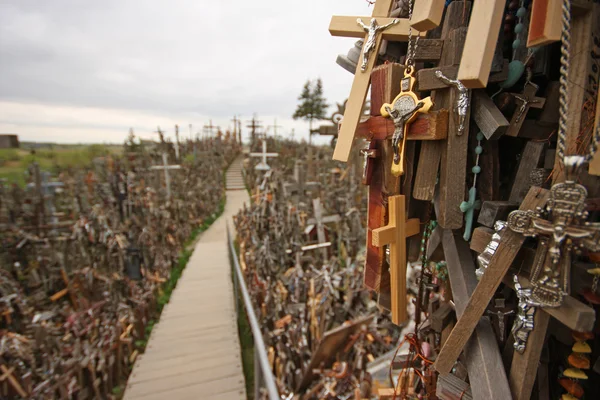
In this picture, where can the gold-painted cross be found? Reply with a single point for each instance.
(349, 27)
(394, 235)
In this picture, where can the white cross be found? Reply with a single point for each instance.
(166, 167)
(263, 166)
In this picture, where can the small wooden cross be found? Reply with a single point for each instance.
(348, 27)
(263, 166)
(526, 100)
(166, 167)
(319, 222)
(300, 186)
(369, 153)
(394, 234)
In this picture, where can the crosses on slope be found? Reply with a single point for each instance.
(263, 166)
(348, 27)
(394, 235)
(300, 186)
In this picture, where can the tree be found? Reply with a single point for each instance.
(312, 104)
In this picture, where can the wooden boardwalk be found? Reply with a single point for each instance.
(194, 350)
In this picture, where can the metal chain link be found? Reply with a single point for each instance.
(565, 57)
(412, 49)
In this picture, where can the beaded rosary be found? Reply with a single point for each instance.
(469, 207)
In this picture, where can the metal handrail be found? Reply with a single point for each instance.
(259, 343)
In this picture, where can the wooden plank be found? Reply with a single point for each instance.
(427, 14)
(480, 44)
(522, 376)
(507, 250)
(387, 87)
(594, 167)
(487, 116)
(427, 170)
(185, 388)
(530, 159)
(429, 50)
(430, 126)
(483, 360)
(545, 22)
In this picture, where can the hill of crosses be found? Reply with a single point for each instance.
(445, 245)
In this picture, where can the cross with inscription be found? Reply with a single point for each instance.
(263, 166)
(348, 27)
(394, 234)
(525, 100)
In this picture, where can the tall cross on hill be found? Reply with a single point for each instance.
(263, 166)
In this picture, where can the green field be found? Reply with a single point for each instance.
(15, 162)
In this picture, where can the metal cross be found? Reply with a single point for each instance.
(527, 100)
(566, 230)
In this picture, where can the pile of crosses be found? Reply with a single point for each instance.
(302, 257)
(480, 156)
(85, 257)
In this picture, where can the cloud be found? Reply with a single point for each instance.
(92, 68)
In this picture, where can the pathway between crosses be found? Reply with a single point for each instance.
(194, 350)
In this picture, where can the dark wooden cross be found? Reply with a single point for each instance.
(525, 101)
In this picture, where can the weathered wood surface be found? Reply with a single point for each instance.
(499, 264)
(483, 360)
(194, 350)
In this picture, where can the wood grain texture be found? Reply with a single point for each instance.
(492, 211)
(509, 246)
(430, 126)
(483, 360)
(426, 79)
(487, 116)
(530, 159)
(427, 170)
(429, 50)
(427, 14)
(385, 86)
(480, 43)
(522, 376)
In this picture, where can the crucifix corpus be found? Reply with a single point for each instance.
(263, 166)
(380, 27)
(525, 101)
(166, 167)
(394, 235)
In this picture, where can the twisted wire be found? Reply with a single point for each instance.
(565, 55)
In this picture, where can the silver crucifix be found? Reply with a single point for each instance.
(372, 30)
(462, 104)
(401, 113)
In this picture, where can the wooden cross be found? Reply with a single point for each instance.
(544, 23)
(525, 100)
(208, 129)
(263, 166)
(480, 43)
(177, 142)
(319, 222)
(348, 27)
(166, 167)
(394, 234)
(300, 186)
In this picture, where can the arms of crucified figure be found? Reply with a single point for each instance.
(362, 24)
(383, 27)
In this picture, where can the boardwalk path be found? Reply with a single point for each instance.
(194, 351)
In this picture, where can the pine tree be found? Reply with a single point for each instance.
(312, 104)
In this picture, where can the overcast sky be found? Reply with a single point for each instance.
(86, 71)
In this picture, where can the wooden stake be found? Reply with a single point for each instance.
(480, 43)
(506, 252)
(545, 22)
(394, 235)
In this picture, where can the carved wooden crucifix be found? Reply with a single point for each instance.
(348, 27)
(394, 235)
(525, 101)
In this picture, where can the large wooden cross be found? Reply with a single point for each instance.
(394, 235)
(525, 101)
(348, 27)
(319, 222)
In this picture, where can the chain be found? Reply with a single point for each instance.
(412, 48)
(565, 57)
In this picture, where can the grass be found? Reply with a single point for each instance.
(15, 162)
